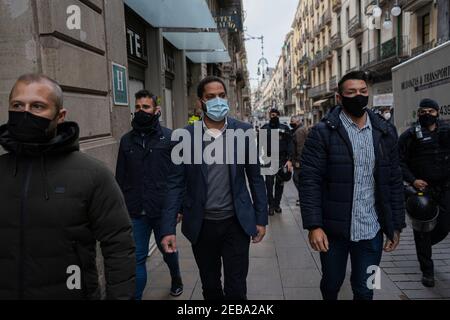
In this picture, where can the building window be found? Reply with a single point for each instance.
(347, 17)
(358, 9)
(339, 66)
(348, 59)
(339, 25)
(359, 54)
(426, 28)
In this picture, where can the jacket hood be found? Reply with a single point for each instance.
(332, 119)
(65, 141)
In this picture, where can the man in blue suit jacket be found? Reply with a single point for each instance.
(219, 217)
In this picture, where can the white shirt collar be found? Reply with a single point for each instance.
(213, 132)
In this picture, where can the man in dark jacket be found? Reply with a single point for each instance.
(219, 217)
(56, 202)
(425, 161)
(299, 134)
(285, 156)
(351, 189)
(142, 169)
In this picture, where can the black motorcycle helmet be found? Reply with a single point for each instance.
(284, 174)
(422, 211)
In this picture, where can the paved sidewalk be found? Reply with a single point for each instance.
(284, 267)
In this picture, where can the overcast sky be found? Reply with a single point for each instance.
(273, 20)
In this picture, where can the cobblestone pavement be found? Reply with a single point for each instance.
(283, 266)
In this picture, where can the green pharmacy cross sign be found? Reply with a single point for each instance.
(120, 84)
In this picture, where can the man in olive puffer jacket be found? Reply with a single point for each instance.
(55, 204)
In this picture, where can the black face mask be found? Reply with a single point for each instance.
(144, 122)
(274, 122)
(356, 106)
(427, 120)
(29, 128)
(293, 126)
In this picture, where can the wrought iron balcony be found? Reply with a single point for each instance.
(387, 55)
(336, 41)
(336, 5)
(326, 53)
(333, 83)
(304, 59)
(413, 5)
(327, 16)
(354, 27)
(421, 49)
(316, 30)
(318, 91)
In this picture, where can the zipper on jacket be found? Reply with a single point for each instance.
(23, 199)
(349, 147)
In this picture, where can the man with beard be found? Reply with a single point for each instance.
(425, 161)
(142, 170)
(351, 189)
(56, 203)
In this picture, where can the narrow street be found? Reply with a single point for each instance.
(283, 266)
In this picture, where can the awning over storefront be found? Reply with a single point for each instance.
(208, 56)
(195, 40)
(174, 13)
(187, 25)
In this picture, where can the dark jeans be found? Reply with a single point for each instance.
(274, 201)
(226, 241)
(334, 264)
(142, 230)
(425, 240)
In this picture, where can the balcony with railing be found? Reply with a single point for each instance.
(304, 60)
(333, 83)
(421, 49)
(326, 53)
(311, 64)
(370, 4)
(413, 5)
(387, 55)
(336, 5)
(327, 16)
(336, 41)
(321, 23)
(316, 30)
(318, 91)
(318, 57)
(355, 27)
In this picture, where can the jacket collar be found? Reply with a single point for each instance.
(155, 131)
(334, 122)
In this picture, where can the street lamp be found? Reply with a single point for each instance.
(387, 24)
(396, 10)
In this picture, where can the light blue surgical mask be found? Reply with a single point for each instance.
(217, 109)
